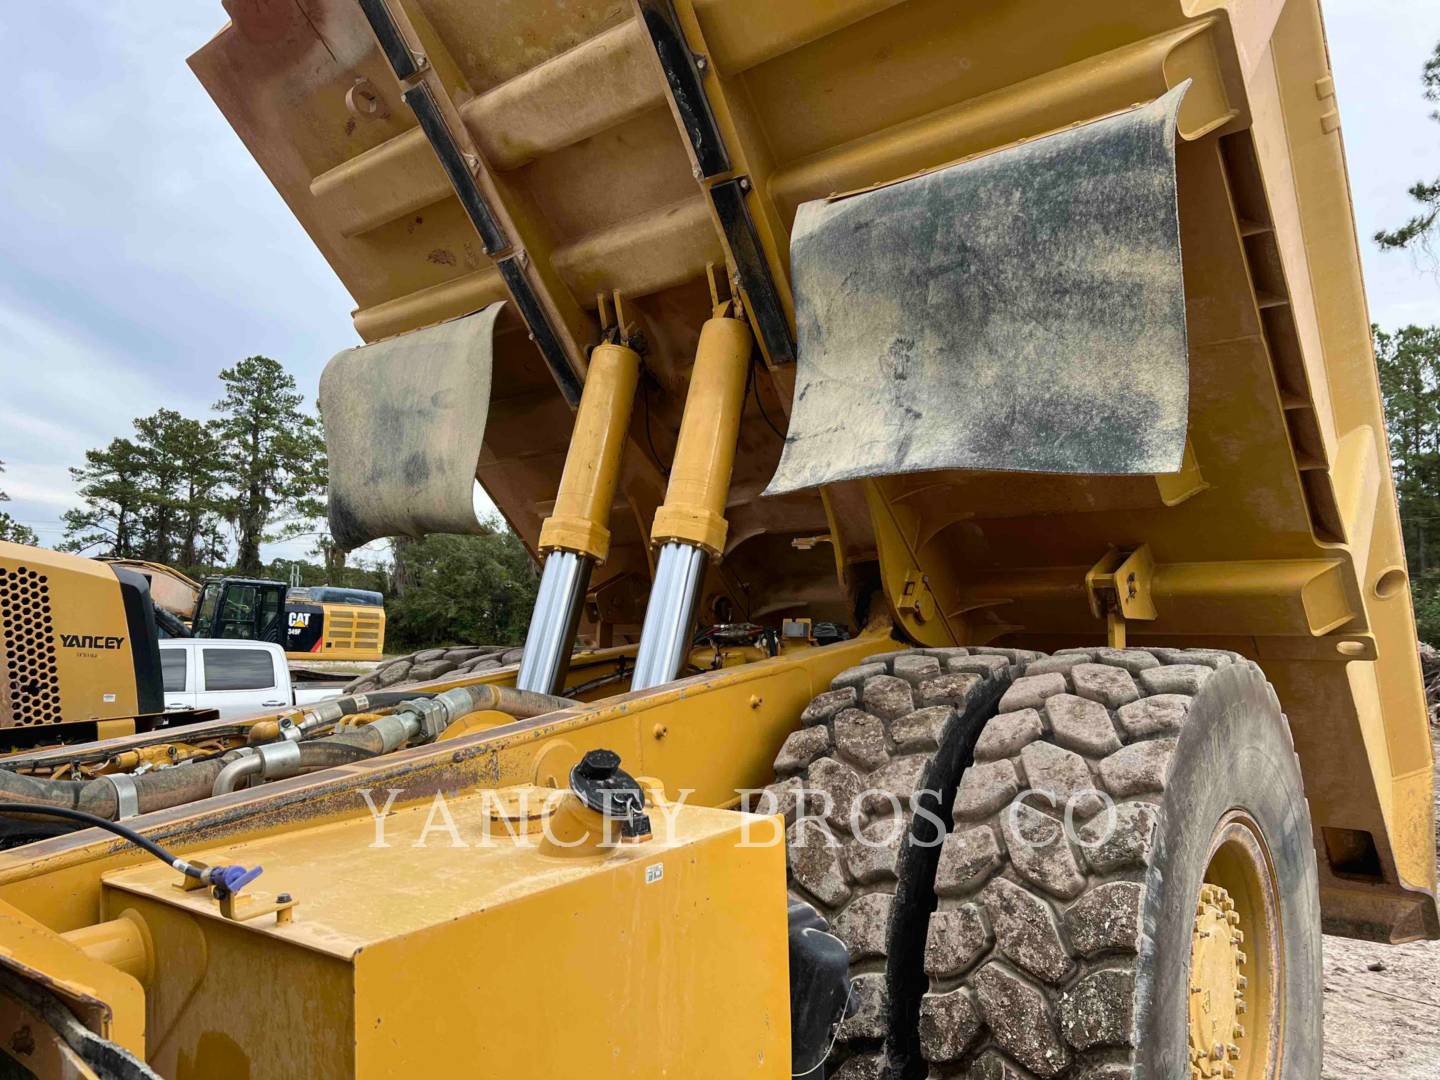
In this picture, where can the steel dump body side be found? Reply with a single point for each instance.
(1279, 538)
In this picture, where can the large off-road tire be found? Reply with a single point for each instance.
(1109, 950)
(899, 728)
(432, 664)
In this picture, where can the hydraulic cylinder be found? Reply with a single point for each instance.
(576, 535)
(690, 527)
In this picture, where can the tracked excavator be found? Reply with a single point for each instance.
(1024, 342)
(321, 622)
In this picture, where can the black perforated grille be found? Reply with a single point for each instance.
(29, 647)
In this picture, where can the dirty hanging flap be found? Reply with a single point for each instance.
(404, 423)
(1022, 311)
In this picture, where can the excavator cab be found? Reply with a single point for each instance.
(245, 608)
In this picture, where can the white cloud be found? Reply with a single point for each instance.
(44, 485)
(64, 395)
(1377, 51)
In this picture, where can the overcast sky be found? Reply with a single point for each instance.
(141, 249)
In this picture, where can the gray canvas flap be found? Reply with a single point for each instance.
(1021, 311)
(404, 423)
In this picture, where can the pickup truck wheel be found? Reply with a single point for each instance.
(864, 785)
(1130, 888)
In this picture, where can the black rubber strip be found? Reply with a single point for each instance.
(492, 237)
(67, 813)
(462, 180)
(382, 24)
(755, 278)
(546, 340)
(144, 640)
(686, 90)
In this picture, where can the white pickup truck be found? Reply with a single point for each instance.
(239, 678)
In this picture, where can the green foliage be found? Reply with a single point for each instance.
(111, 483)
(272, 455)
(458, 590)
(16, 533)
(180, 485)
(1425, 592)
(12, 530)
(153, 496)
(1419, 228)
(165, 493)
(376, 578)
(1409, 363)
(162, 495)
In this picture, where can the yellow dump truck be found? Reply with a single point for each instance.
(955, 429)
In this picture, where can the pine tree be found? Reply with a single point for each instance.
(1420, 227)
(1409, 363)
(12, 530)
(180, 484)
(112, 484)
(272, 457)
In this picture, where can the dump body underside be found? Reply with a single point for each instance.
(1278, 537)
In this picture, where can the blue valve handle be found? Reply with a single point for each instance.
(228, 880)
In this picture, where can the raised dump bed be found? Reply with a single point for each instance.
(1025, 343)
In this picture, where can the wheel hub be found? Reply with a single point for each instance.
(1217, 987)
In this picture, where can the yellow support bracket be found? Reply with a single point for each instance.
(1119, 590)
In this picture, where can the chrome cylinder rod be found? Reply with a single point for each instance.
(551, 637)
(665, 637)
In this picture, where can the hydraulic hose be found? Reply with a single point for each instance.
(140, 840)
(420, 717)
(199, 779)
(411, 718)
(154, 790)
(325, 754)
(521, 704)
(324, 713)
(307, 756)
(224, 878)
(229, 777)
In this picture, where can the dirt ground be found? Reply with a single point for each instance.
(1383, 1023)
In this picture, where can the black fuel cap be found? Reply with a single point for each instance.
(604, 787)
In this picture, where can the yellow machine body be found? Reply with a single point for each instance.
(78, 643)
(170, 589)
(1277, 537)
(348, 632)
(313, 623)
(636, 937)
(650, 957)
